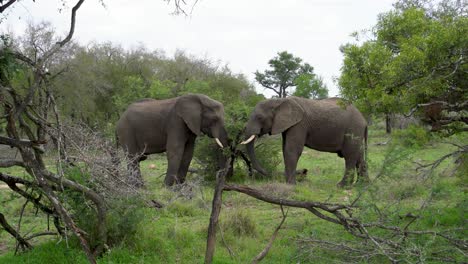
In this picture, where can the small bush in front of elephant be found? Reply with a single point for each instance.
(269, 154)
(238, 222)
(208, 158)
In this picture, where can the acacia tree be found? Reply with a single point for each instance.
(416, 58)
(288, 71)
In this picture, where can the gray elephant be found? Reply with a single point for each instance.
(154, 126)
(323, 125)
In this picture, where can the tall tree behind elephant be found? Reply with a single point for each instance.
(323, 125)
(154, 126)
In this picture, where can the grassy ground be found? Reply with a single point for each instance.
(177, 233)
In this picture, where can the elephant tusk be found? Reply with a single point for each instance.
(248, 140)
(219, 143)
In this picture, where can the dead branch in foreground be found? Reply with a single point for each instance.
(215, 211)
(264, 252)
(390, 246)
(22, 242)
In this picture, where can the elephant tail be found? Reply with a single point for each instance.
(365, 143)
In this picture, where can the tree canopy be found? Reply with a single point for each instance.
(288, 71)
(416, 55)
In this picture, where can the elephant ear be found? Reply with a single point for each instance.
(287, 114)
(190, 110)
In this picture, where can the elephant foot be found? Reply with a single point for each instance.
(363, 181)
(343, 185)
(291, 181)
(172, 181)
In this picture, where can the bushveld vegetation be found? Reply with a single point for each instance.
(66, 197)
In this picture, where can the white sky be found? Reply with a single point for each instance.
(244, 34)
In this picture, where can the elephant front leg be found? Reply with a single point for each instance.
(292, 150)
(174, 159)
(186, 159)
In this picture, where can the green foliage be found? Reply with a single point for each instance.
(413, 136)
(123, 213)
(210, 159)
(8, 65)
(284, 73)
(414, 56)
(136, 89)
(309, 86)
(269, 155)
(50, 252)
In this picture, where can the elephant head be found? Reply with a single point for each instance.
(272, 117)
(203, 115)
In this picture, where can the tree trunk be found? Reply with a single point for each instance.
(388, 123)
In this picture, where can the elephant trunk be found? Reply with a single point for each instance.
(251, 152)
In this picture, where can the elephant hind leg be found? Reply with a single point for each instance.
(362, 174)
(350, 170)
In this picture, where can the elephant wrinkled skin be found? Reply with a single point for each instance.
(323, 125)
(154, 126)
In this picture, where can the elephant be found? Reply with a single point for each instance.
(155, 126)
(323, 125)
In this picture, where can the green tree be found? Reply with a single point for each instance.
(285, 69)
(416, 57)
(309, 86)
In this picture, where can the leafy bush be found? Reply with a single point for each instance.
(210, 158)
(413, 136)
(269, 154)
(123, 213)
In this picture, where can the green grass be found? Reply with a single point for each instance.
(177, 233)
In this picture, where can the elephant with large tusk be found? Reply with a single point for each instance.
(154, 126)
(323, 125)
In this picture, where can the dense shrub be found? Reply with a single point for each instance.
(123, 213)
(209, 157)
(413, 136)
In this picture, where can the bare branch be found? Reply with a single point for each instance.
(18, 142)
(12, 182)
(264, 252)
(216, 209)
(72, 25)
(3, 7)
(6, 163)
(23, 243)
(47, 233)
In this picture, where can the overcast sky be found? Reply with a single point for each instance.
(244, 34)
